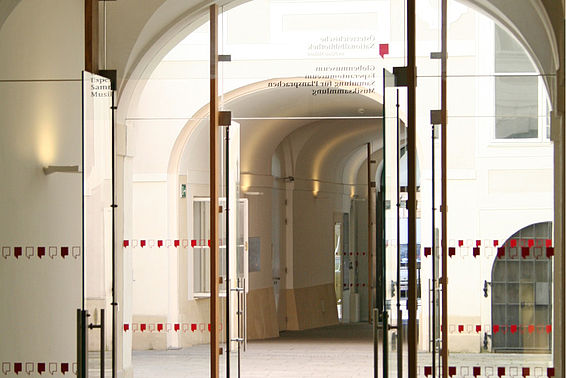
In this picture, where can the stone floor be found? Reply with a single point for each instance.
(340, 351)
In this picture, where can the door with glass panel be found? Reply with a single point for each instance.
(392, 232)
(95, 319)
(233, 247)
(305, 83)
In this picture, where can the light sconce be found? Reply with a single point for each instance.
(61, 169)
(287, 178)
(253, 193)
(245, 190)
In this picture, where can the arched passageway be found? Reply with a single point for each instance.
(319, 142)
(40, 80)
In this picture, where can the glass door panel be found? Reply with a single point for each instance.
(497, 233)
(40, 237)
(304, 81)
(167, 167)
(393, 242)
(232, 252)
(98, 223)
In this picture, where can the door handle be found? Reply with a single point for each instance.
(101, 327)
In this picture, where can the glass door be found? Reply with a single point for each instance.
(304, 81)
(40, 236)
(95, 318)
(233, 247)
(392, 232)
(235, 252)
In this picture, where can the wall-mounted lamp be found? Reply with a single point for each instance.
(315, 188)
(60, 169)
(253, 193)
(287, 178)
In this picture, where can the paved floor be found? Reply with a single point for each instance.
(340, 351)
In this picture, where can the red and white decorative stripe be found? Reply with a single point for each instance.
(159, 243)
(494, 371)
(523, 329)
(516, 248)
(40, 252)
(51, 368)
(167, 327)
(352, 254)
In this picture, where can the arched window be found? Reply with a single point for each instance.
(521, 287)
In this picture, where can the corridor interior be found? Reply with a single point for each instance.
(321, 138)
(344, 350)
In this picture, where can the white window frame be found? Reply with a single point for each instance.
(202, 245)
(543, 112)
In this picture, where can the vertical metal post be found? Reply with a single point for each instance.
(83, 293)
(102, 342)
(434, 267)
(82, 360)
(375, 342)
(240, 317)
(444, 207)
(399, 312)
(370, 237)
(430, 340)
(91, 35)
(245, 311)
(385, 330)
(80, 350)
(558, 127)
(412, 187)
(382, 269)
(114, 206)
(214, 294)
(433, 291)
(227, 249)
(81, 353)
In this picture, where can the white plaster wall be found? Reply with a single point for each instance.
(154, 279)
(41, 125)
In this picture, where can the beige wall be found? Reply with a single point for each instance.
(40, 107)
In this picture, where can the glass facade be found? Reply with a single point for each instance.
(301, 77)
(312, 204)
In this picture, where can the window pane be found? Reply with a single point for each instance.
(542, 273)
(527, 294)
(516, 107)
(513, 271)
(527, 271)
(509, 55)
